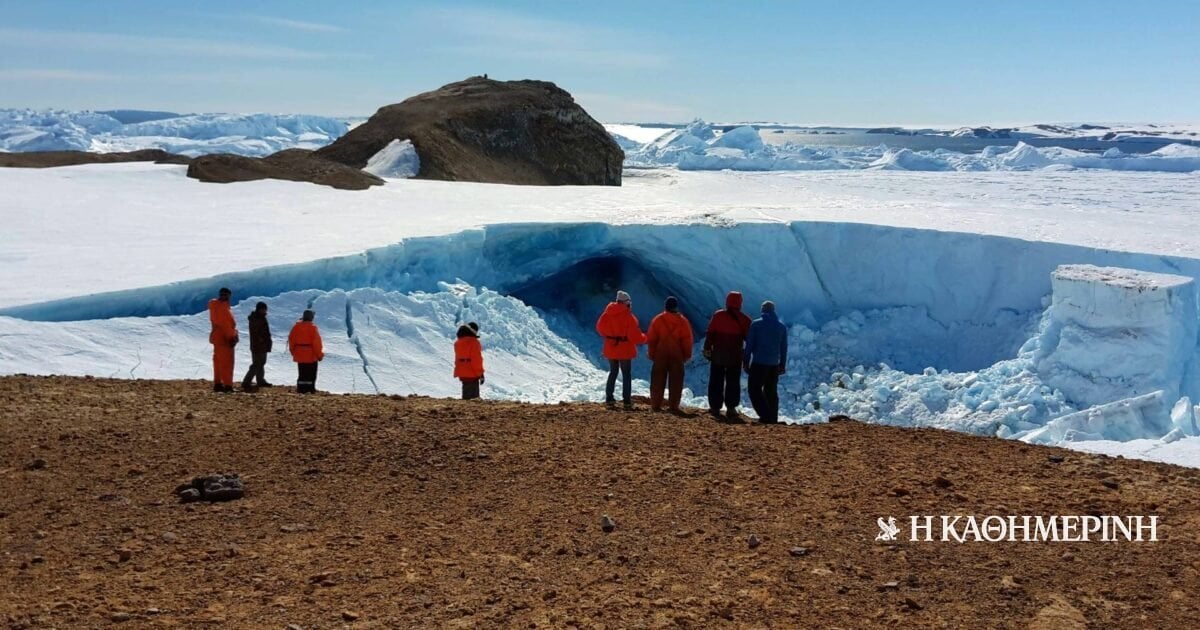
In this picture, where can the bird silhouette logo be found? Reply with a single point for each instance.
(887, 529)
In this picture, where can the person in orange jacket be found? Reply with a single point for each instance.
(304, 342)
(224, 337)
(468, 360)
(669, 342)
(622, 336)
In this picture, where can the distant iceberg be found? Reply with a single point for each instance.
(699, 147)
(195, 134)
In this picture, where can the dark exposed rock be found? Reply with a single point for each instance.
(212, 488)
(482, 130)
(297, 165)
(49, 159)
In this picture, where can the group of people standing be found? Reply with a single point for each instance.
(732, 344)
(304, 344)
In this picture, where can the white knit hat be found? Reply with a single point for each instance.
(623, 297)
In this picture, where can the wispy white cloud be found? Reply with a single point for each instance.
(154, 45)
(479, 31)
(312, 27)
(51, 74)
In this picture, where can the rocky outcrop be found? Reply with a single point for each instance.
(50, 159)
(482, 130)
(298, 165)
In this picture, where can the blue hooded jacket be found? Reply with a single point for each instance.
(767, 341)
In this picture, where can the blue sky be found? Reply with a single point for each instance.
(867, 62)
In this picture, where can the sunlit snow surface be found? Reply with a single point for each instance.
(851, 287)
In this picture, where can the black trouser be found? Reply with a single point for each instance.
(724, 387)
(763, 387)
(306, 381)
(258, 361)
(624, 365)
(470, 388)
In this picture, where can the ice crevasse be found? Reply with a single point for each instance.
(989, 335)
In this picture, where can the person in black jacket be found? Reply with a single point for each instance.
(260, 345)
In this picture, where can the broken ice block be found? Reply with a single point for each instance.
(1118, 333)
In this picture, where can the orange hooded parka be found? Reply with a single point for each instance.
(304, 342)
(224, 327)
(670, 338)
(622, 335)
(468, 355)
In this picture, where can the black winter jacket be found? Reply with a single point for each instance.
(260, 333)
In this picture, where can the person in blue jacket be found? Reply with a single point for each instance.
(764, 359)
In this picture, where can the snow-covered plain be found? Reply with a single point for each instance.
(914, 298)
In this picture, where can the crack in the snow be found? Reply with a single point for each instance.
(366, 367)
(139, 363)
(812, 264)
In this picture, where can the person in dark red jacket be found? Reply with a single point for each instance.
(622, 336)
(723, 344)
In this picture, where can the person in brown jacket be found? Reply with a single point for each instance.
(670, 344)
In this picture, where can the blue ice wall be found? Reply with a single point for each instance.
(969, 297)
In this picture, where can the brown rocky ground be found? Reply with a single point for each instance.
(374, 512)
(51, 159)
(298, 165)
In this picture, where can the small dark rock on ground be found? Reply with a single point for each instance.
(213, 488)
